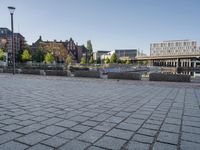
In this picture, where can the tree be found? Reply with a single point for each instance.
(91, 59)
(113, 58)
(48, 58)
(98, 61)
(2, 56)
(107, 61)
(89, 46)
(145, 62)
(25, 56)
(119, 61)
(68, 60)
(128, 61)
(83, 61)
(19, 56)
(39, 55)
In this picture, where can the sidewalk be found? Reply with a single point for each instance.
(46, 112)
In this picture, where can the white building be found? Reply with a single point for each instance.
(98, 54)
(121, 54)
(174, 47)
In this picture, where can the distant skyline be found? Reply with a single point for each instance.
(109, 24)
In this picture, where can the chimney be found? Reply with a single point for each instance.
(40, 38)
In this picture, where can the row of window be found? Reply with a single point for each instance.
(174, 48)
(176, 51)
(174, 44)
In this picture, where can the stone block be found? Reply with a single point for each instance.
(30, 71)
(5, 70)
(89, 74)
(56, 73)
(124, 75)
(169, 77)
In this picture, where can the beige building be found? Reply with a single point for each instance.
(174, 47)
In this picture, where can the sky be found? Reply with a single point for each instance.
(109, 24)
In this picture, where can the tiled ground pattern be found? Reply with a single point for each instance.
(46, 113)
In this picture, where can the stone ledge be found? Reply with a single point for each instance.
(169, 77)
(56, 73)
(89, 74)
(124, 75)
(30, 71)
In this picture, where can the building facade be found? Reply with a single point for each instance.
(175, 53)
(98, 54)
(126, 53)
(122, 54)
(60, 49)
(174, 47)
(6, 42)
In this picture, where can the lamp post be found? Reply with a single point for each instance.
(11, 10)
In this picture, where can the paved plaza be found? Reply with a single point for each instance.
(46, 113)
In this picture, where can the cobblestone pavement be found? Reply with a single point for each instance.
(45, 113)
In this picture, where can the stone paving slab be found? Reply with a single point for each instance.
(41, 112)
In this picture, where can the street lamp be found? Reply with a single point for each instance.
(11, 10)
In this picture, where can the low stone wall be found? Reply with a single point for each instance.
(56, 73)
(124, 75)
(89, 74)
(73, 69)
(7, 70)
(169, 77)
(30, 71)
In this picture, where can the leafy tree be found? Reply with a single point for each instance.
(113, 58)
(68, 60)
(89, 46)
(39, 55)
(48, 58)
(83, 61)
(91, 59)
(98, 61)
(145, 62)
(119, 61)
(142, 62)
(107, 61)
(26, 56)
(19, 56)
(2, 56)
(128, 61)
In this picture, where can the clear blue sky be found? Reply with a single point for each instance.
(110, 24)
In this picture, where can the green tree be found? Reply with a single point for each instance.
(145, 62)
(98, 61)
(19, 56)
(113, 58)
(83, 61)
(89, 46)
(91, 59)
(39, 55)
(68, 60)
(2, 56)
(48, 58)
(140, 62)
(119, 61)
(107, 61)
(26, 56)
(128, 61)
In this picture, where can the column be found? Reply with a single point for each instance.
(189, 63)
